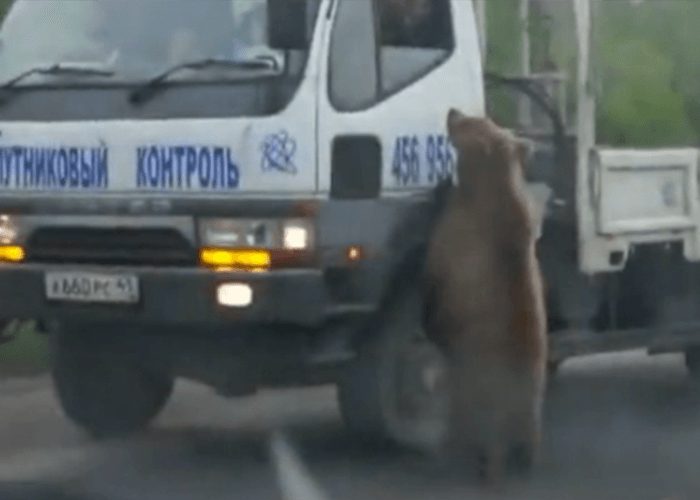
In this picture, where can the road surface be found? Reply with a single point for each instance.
(620, 426)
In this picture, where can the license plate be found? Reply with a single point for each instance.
(92, 288)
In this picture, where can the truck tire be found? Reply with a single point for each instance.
(104, 394)
(393, 392)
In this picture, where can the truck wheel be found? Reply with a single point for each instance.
(105, 394)
(394, 391)
(692, 361)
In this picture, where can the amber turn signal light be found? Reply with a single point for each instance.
(12, 253)
(238, 259)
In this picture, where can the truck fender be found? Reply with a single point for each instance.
(412, 235)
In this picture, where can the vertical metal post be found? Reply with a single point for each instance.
(524, 110)
(585, 129)
(584, 86)
(480, 10)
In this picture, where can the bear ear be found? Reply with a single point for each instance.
(454, 118)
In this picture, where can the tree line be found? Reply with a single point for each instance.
(647, 66)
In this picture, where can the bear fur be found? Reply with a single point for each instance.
(484, 302)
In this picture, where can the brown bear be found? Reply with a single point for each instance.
(485, 304)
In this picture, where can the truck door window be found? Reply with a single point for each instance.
(416, 36)
(381, 46)
(353, 61)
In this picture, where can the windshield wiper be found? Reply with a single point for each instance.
(57, 69)
(80, 69)
(147, 90)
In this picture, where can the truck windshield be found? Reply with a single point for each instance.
(133, 38)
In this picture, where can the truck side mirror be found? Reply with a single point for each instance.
(286, 24)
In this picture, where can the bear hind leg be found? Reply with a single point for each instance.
(521, 458)
(491, 464)
(523, 447)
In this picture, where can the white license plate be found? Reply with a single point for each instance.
(92, 288)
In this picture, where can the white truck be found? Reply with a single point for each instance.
(240, 192)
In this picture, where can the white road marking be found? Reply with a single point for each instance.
(295, 481)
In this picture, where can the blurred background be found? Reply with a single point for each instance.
(646, 57)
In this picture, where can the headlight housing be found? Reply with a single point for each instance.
(9, 230)
(10, 250)
(271, 234)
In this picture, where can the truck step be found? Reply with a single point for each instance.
(350, 310)
(571, 343)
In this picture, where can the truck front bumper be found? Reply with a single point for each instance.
(177, 297)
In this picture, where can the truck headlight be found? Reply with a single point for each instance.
(233, 233)
(8, 230)
(10, 251)
(271, 234)
(296, 235)
(255, 244)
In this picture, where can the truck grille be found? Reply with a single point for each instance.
(119, 246)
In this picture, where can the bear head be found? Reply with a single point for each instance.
(485, 150)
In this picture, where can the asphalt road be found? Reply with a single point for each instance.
(621, 426)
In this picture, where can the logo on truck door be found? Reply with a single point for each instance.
(278, 151)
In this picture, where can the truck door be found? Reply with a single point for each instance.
(394, 69)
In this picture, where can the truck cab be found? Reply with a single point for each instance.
(231, 192)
